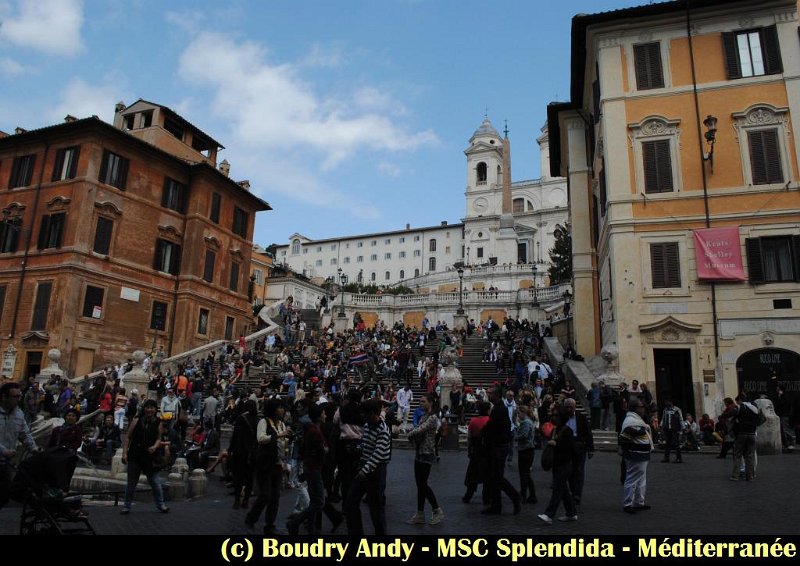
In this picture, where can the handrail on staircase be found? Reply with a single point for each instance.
(264, 314)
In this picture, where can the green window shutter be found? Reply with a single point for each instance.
(755, 268)
(772, 51)
(732, 64)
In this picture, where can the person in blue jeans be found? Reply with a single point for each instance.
(143, 445)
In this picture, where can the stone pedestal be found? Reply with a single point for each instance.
(137, 378)
(52, 369)
(198, 483)
(182, 468)
(176, 487)
(460, 321)
(340, 323)
(611, 377)
(768, 435)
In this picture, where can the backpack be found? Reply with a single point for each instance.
(747, 418)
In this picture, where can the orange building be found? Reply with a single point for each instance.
(681, 119)
(119, 238)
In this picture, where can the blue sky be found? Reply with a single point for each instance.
(347, 117)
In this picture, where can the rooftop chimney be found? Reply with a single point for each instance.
(69, 118)
(120, 106)
(444, 222)
(244, 184)
(408, 226)
(19, 130)
(225, 167)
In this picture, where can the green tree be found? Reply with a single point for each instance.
(561, 257)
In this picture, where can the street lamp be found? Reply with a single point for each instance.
(460, 291)
(567, 304)
(535, 290)
(342, 283)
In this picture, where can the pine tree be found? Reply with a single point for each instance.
(561, 257)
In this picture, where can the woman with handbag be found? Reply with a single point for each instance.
(561, 445)
(424, 436)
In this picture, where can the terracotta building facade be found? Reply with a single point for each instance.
(678, 143)
(116, 238)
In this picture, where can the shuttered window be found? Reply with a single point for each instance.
(234, 282)
(208, 269)
(657, 166)
(240, 221)
(167, 257)
(114, 170)
(102, 235)
(603, 189)
(51, 230)
(647, 61)
(216, 202)
(765, 158)
(773, 259)
(66, 166)
(41, 306)
(174, 196)
(9, 235)
(752, 53)
(21, 171)
(665, 265)
(229, 328)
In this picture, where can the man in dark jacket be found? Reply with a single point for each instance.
(496, 436)
(583, 446)
(746, 422)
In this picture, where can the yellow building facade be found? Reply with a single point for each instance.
(680, 125)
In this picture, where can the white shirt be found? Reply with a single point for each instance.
(404, 398)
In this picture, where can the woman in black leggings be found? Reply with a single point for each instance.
(424, 435)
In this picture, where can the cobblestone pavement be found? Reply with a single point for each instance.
(692, 498)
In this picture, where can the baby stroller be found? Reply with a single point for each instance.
(41, 484)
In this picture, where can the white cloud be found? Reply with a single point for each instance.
(286, 131)
(270, 105)
(10, 67)
(50, 26)
(326, 56)
(389, 169)
(82, 100)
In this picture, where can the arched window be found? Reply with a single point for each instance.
(481, 170)
(432, 245)
(295, 247)
(388, 276)
(518, 205)
(373, 277)
(416, 273)
(432, 264)
(402, 274)
(499, 175)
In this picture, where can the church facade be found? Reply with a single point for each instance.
(508, 227)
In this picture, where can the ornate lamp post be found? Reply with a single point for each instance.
(342, 283)
(535, 290)
(460, 291)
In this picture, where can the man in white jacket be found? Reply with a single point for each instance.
(404, 398)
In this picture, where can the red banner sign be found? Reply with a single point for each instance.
(719, 254)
